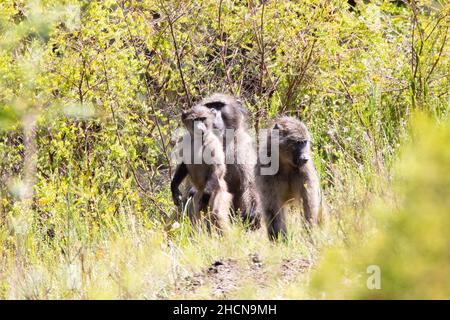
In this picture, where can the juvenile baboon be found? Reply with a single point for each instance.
(296, 179)
(206, 175)
(241, 155)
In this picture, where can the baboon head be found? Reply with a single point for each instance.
(231, 109)
(200, 119)
(295, 140)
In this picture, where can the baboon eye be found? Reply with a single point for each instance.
(293, 143)
(215, 105)
(301, 143)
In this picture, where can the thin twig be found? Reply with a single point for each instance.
(224, 49)
(177, 53)
(439, 56)
(118, 135)
(166, 154)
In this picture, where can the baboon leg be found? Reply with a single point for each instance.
(189, 193)
(216, 196)
(276, 223)
(203, 201)
(236, 204)
(193, 209)
(220, 209)
(191, 201)
(180, 173)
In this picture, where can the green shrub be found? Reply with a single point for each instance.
(410, 246)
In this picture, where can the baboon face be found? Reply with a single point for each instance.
(294, 141)
(231, 110)
(199, 119)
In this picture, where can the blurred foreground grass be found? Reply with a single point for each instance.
(411, 246)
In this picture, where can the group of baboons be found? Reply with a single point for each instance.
(219, 188)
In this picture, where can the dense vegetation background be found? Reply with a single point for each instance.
(90, 97)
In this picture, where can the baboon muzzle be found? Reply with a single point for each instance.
(301, 160)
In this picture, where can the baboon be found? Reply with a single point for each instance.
(238, 147)
(232, 111)
(206, 175)
(296, 179)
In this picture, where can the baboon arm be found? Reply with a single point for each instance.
(220, 208)
(213, 184)
(250, 203)
(276, 223)
(180, 174)
(311, 201)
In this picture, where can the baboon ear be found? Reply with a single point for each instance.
(277, 127)
(240, 106)
(243, 110)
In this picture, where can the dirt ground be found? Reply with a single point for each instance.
(225, 276)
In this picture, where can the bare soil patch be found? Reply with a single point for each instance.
(225, 275)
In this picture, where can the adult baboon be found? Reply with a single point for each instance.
(206, 175)
(296, 179)
(240, 154)
(232, 111)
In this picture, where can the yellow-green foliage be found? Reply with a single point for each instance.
(90, 97)
(411, 246)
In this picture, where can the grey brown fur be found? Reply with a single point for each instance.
(208, 178)
(296, 180)
(240, 176)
